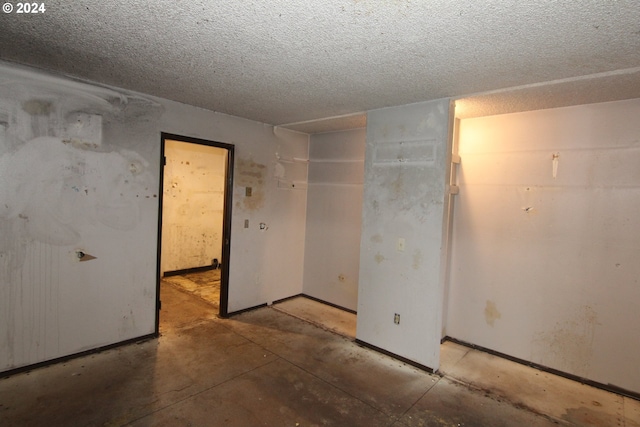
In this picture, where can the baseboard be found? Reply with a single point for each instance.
(348, 310)
(188, 271)
(46, 363)
(244, 310)
(330, 304)
(290, 298)
(608, 387)
(287, 298)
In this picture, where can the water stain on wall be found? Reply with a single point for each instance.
(250, 174)
(491, 313)
(397, 186)
(192, 206)
(417, 259)
(36, 107)
(568, 346)
(391, 183)
(58, 182)
(379, 258)
(71, 187)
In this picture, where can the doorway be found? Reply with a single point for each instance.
(194, 221)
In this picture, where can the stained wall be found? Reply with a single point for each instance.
(79, 175)
(192, 205)
(544, 263)
(404, 210)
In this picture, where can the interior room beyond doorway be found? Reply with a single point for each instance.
(193, 218)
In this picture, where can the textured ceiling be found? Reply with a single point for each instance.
(294, 61)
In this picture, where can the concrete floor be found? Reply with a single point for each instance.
(323, 315)
(203, 284)
(268, 368)
(559, 399)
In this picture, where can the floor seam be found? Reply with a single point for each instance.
(311, 373)
(394, 417)
(422, 396)
(323, 380)
(339, 388)
(466, 353)
(505, 399)
(316, 324)
(350, 339)
(206, 389)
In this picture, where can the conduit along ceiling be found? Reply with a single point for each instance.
(293, 62)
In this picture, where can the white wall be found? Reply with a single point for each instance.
(334, 216)
(265, 265)
(79, 169)
(407, 151)
(546, 269)
(193, 204)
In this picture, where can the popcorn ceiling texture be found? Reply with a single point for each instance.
(292, 61)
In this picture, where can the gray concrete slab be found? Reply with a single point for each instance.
(277, 394)
(540, 392)
(450, 403)
(327, 317)
(450, 355)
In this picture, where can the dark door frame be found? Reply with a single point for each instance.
(226, 220)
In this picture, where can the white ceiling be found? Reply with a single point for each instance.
(291, 62)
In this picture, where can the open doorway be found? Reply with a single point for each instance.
(194, 224)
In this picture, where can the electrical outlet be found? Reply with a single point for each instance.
(400, 244)
(246, 223)
(396, 319)
(247, 191)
